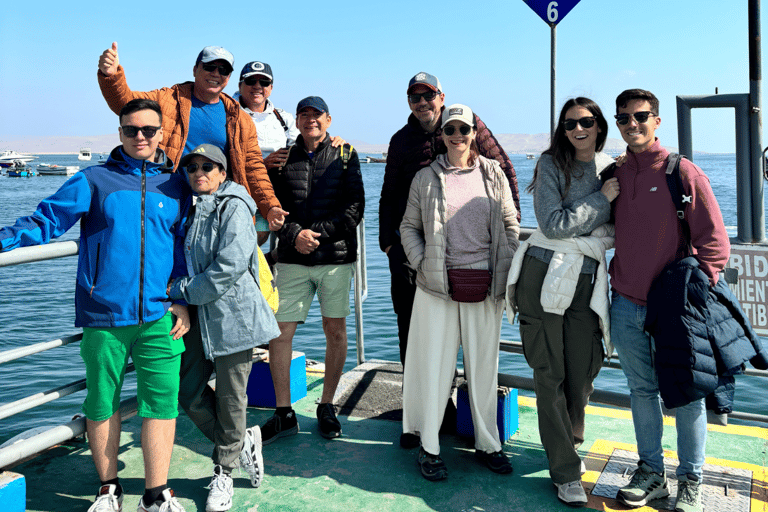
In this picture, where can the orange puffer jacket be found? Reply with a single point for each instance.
(246, 164)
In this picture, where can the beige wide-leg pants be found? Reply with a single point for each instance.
(438, 327)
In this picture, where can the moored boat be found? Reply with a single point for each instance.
(8, 157)
(85, 154)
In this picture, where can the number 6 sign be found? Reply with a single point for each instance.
(551, 11)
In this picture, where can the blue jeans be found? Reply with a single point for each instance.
(636, 352)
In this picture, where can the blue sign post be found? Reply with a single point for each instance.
(552, 12)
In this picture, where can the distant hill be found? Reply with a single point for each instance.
(513, 143)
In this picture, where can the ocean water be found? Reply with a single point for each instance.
(37, 300)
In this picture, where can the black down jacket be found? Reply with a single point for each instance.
(703, 338)
(319, 194)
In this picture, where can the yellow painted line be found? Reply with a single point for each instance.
(623, 414)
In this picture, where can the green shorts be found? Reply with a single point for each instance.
(156, 356)
(297, 285)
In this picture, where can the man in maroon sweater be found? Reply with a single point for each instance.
(648, 237)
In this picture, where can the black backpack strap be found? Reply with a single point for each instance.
(346, 154)
(280, 118)
(675, 185)
(608, 172)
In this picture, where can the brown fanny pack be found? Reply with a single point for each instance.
(468, 284)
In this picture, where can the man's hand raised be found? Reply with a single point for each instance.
(109, 61)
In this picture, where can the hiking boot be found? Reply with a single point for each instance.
(409, 440)
(688, 495)
(250, 455)
(107, 500)
(221, 491)
(645, 486)
(329, 426)
(432, 466)
(169, 503)
(498, 462)
(572, 494)
(279, 426)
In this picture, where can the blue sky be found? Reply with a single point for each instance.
(492, 55)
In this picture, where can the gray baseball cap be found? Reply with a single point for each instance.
(423, 78)
(212, 53)
(209, 151)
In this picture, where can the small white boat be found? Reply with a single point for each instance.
(102, 158)
(57, 170)
(9, 156)
(530, 156)
(85, 154)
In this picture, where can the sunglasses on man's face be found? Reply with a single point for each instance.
(223, 69)
(463, 129)
(416, 97)
(206, 167)
(640, 117)
(132, 131)
(585, 122)
(252, 80)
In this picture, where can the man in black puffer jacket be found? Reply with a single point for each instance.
(322, 189)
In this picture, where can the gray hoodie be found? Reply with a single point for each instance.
(224, 274)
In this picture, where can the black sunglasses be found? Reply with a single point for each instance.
(640, 117)
(585, 122)
(132, 131)
(206, 167)
(224, 70)
(252, 80)
(416, 97)
(463, 129)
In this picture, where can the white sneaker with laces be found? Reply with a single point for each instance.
(250, 455)
(169, 504)
(221, 491)
(106, 501)
(572, 493)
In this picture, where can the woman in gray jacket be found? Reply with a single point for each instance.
(459, 232)
(232, 317)
(561, 331)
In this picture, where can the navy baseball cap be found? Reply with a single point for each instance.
(256, 68)
(315, 102)
(423, 78)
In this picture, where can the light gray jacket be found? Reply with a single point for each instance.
(223, 273)
(423, 228)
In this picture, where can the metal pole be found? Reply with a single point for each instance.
(755, 123)
(552, 88)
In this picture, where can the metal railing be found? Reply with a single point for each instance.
(56, 435)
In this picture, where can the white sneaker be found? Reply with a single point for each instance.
(250, 456)
(106, 501)
(221, 492)
(169, 504)
(572, 493)
(582, 468)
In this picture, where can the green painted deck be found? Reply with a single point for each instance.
(366, 470)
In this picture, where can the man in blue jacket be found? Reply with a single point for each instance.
(131, 213)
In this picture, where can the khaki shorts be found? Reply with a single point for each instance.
(298, 283)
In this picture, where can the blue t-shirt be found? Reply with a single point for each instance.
(207, 125)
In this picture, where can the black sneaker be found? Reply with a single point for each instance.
(329, 426)
(497, 462)
(279, 426)
(432, 466)
(409, 440)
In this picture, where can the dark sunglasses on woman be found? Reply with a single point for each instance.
(463, 129)
(585, 122)
(206, 167)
